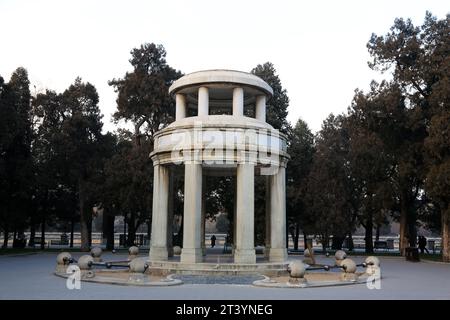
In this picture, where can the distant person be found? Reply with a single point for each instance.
(423, 244)
(213, 241)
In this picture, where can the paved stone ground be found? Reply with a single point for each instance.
(31, 277)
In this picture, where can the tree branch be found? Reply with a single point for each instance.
(418, 88)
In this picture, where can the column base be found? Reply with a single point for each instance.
(191, 255)
(244, 256)
(278, 255)
(158, 254)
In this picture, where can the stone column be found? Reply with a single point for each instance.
(158, 249)
(245, 224)
(192, 251)
(278, 250)
(260, 108)
(180, 105)
(238, 102)
(233, 248)
(203, 101)
(170, 215)
(268, 229)
(203, 215)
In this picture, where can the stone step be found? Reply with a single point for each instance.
(165, 267)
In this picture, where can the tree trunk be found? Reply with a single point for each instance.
(84, 229)
(445, 245)
(377, 235)
(32, 234)
(125, 230)
(180, 233)
(336, 242)
(108, 223)
(5, 239)
(412, 230)
(15, 238)
(296, 236)
(403, 224)
(72, 229)
(89, 224)
(305, 240)
(137, 133)
(351, 245)
(325, 241)
(131, 232)
(43, 233)
(369, 235)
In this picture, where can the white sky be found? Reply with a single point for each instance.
(317, 47)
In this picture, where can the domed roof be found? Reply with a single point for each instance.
(220, 77)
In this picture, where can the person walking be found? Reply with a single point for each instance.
(423, 244)
(213, 241)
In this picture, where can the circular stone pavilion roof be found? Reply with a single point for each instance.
(190, 82)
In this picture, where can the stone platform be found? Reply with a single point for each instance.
(124, 278)
(217, 265)
(312, 279)
(217, 269)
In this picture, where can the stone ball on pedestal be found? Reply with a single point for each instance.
(85, 262)
(340, 255)
(372, 261)
(133, 251)
(138, 265)
(348, 265)
(96, 253)
(297, 269)
(63, 258)
(177, 250)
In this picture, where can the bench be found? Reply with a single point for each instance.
(38, 241)
(59, 243)
(380, 245)
(436, 249)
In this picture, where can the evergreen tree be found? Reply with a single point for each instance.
(301, 151)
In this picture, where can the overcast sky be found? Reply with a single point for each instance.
(318, 47)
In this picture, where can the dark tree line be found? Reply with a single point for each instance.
(386, 158)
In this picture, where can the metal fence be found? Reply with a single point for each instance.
(61, 240)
